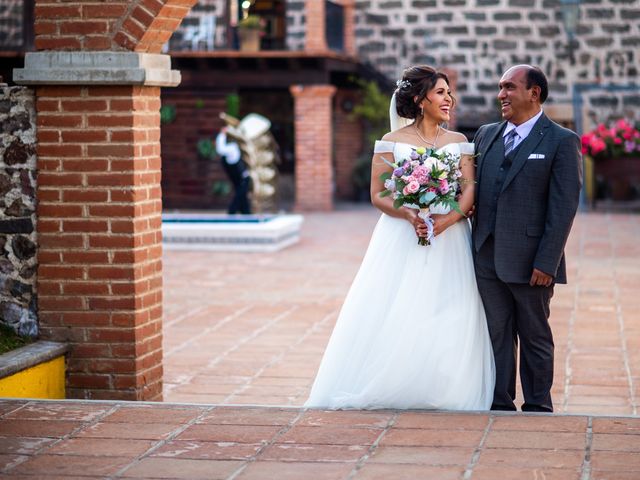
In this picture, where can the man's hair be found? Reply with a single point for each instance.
(536, 77)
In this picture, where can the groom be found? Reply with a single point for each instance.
(529, 175)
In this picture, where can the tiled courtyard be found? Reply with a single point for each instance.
(76, 440)
(244, 334)
(251, 328)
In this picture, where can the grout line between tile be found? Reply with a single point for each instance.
(234, 347)
(312, 329)
(478, 450)
(623, 344)
(586, 463)
(72, 433)
(264, 446)
(570, 334)
(362, 460)
(162, 442)
(207, 330)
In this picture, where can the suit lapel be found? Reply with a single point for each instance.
(527, 146)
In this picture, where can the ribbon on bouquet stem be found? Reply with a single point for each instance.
(425, 215)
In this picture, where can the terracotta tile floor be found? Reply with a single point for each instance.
(142, 440)
(251, 328)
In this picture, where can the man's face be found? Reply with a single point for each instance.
(518, 103)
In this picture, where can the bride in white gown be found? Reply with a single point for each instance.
(412, 331)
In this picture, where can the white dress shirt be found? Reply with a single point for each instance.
(522, 130)
(231, 150)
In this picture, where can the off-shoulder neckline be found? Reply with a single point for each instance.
(415, 146)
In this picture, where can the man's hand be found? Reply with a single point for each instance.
(471, 211)
(540, 279)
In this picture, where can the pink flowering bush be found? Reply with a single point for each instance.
(622, 139)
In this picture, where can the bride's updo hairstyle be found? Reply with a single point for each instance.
(416, 82)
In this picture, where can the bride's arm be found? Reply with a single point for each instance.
(385, 204)
(467, 185)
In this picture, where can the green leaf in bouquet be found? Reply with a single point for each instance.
(456, 206)
(397, 203)
(385, 193)
(384, 176)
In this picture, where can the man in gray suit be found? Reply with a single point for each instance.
(529, 175)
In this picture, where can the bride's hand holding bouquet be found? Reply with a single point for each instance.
(426, 178)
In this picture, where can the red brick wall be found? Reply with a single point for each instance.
(117, 25)
(188, 178)
(315, 17)
(313, 127)
(99, 201)
(99, 223)
(347, 143)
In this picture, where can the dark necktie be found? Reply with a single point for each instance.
(509, 141)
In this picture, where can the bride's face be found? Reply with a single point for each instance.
(437, 103)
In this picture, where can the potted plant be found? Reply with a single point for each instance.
(250, 31)
(615, 152)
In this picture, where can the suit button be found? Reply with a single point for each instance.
(502, 169)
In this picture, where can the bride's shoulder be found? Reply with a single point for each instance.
(398, 136)
(454, 137)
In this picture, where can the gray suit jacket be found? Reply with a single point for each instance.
(538, 200)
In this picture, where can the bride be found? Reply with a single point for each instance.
(412, 331)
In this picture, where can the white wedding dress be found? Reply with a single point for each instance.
(412, 332)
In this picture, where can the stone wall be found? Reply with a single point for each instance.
(606, 103)
(295, 24)
(480, 38)
(202, 29)
(17, 210)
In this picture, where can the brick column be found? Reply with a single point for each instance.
(313, 127)
(99, 200)
(315, 34)
(99, 224)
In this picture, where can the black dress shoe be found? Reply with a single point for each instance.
(504, 408)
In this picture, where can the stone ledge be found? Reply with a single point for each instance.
(97, 68)
(29, 356)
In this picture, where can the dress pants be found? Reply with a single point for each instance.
(517, 313)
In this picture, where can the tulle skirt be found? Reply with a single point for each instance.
(412, 332)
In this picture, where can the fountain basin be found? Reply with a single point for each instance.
(219, 232)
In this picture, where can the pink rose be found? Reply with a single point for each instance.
(444, 186)
(411, 188)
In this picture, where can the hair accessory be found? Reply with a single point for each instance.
(403, 84)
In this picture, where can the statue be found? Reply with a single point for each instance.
(261, 153)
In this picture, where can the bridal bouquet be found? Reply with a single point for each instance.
(424, 179)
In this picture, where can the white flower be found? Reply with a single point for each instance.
(390, 185)
(430, 162)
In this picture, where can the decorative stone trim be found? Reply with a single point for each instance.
(97, 68)
(34, 371)
(29, 356)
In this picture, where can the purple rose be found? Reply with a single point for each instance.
(398, 172)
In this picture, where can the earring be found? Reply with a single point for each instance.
(421, 111)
